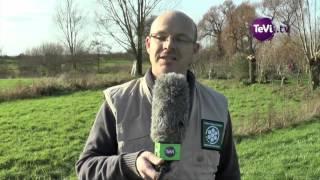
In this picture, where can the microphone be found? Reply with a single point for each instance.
(170, 114)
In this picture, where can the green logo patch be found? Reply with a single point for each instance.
(211, 134)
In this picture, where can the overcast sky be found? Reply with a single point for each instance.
(28, 23)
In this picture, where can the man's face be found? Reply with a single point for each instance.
(171, 44)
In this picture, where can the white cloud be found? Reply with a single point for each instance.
(24, 24)
(17, 9)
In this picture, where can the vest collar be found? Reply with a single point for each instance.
(150, 79)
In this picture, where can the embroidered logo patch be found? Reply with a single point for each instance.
(211, 134)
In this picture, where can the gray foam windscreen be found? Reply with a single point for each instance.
(170, 108)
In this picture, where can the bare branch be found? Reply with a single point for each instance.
(70, 22)
(124, 20)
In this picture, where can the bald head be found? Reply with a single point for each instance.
(177, 21)
(172, 44)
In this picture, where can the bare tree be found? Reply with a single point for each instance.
(99, 47)
(124, 21)
(52, 49)
(71, 22)
(279, 58)
(212, 23)
(236, 34)
(283, 11)
(46, 49)
(270, 8)
(307, 26)
(148, 23)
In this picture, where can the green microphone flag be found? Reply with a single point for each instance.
(168, 152)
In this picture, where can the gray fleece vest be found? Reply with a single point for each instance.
(131, 105)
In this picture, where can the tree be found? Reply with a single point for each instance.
(252, 68)
(124, 21)
(45, 59)
(236, 34)
(284, 11)
(99, 48)
(46, 49)
(148, 23)
(212, 23)
(308, 30)
(279, 57)
(71, 22)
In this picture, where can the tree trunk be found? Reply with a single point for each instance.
(219, 44)
(140, 28)
(98, 63)
(74, 63)
(137, 64)
(314, 73)
(139, 61)
(134, 68)
(283, 79)
(252, 71)
(263, 75)
(210, 73)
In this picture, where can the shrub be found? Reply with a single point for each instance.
(261, 122)
(240, 66)
(65, 83)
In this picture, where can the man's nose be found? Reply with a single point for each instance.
(169, 43)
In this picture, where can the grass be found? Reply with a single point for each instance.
(42, 138)
(64, 84)
(112, 70)
(291, 153)
(258, 104)
(116, 66)
(14, 83)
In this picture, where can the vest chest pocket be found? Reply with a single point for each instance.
(127, 144)
(205, 163)
(133, 133)
(201, 164)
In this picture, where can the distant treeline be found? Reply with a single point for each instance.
(116, 55)
(51, 65)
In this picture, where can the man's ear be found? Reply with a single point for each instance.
(196, 48)
(147, 43)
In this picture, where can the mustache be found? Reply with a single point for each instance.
(166, 55)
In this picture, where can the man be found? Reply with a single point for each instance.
(119, 145)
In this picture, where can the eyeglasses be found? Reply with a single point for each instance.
(180, 39)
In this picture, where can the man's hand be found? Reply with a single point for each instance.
(145, 165)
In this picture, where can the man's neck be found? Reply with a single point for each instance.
(150, 77)
(156, 75)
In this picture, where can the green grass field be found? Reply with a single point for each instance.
(14, 83)
(260, 102)
(291, 153)
(111, 69)
(42, 138)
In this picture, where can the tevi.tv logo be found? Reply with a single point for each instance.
(263, 29)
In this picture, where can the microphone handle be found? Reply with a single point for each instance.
(163, 169)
